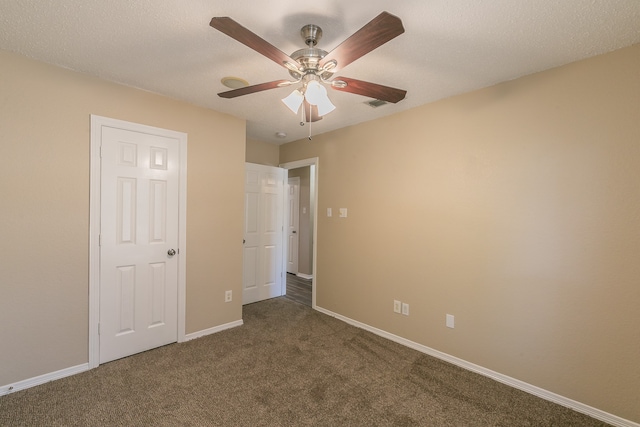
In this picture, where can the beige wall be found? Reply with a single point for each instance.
(44, 210)
(262, 153)
(515, 208)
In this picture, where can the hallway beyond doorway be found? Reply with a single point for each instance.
(299, 289)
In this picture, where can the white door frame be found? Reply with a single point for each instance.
(314, 161)
(97, 122)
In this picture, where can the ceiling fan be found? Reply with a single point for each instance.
(313, 67)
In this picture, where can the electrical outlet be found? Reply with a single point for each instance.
(397, 306)
(450, 322)
(228, 296)
(405, 308)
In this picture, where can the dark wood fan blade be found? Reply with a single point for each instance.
(377, 32)
(311, 112)
(372, 90)
(251, 89)
(236, 31)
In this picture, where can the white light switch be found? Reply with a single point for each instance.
(450, 321)
(328, 211)
(343, 212)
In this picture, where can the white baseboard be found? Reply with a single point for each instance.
(213, 330)
(32, 382)
(520, 385)
(41, 379)
(304, 276)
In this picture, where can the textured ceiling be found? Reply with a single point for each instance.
(449, 47)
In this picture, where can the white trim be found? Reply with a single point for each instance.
(94, 226)
(182, 241)
(315, 162)
(94, 244)
(41, 379)
(520, 385)
(305, 276)
(213, 330)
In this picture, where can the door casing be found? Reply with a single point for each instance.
(97, 122)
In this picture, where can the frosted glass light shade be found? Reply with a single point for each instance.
(325, 106)
(294, 101)
(316, 94)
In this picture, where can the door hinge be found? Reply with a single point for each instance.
(100, 151)
(98, 328)
(99, 239)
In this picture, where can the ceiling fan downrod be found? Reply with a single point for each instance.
(311, 34)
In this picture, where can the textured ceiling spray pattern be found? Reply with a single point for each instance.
(448, 47)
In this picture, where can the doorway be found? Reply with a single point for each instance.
(307, 170)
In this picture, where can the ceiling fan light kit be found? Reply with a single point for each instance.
(314, 67)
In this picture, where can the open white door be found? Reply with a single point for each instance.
(293, 223)
(139, 228)
(263, 233)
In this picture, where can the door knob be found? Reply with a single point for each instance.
(171, 252)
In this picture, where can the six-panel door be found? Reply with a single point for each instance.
(138, 232)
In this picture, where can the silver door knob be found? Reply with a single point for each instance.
(171, 252)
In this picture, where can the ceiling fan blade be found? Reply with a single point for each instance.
(236, 31)
(372, 90)
(311, 113)
(377, 32)
(253, 89)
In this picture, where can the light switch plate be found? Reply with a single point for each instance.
(329, 212)
(450, 321)
(397, 306)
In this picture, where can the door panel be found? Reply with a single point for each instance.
(262, 260)
(139, 225)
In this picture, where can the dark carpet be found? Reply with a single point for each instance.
(288, 365)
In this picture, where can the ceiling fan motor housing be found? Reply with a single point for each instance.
(311, 34)
(308, 58)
